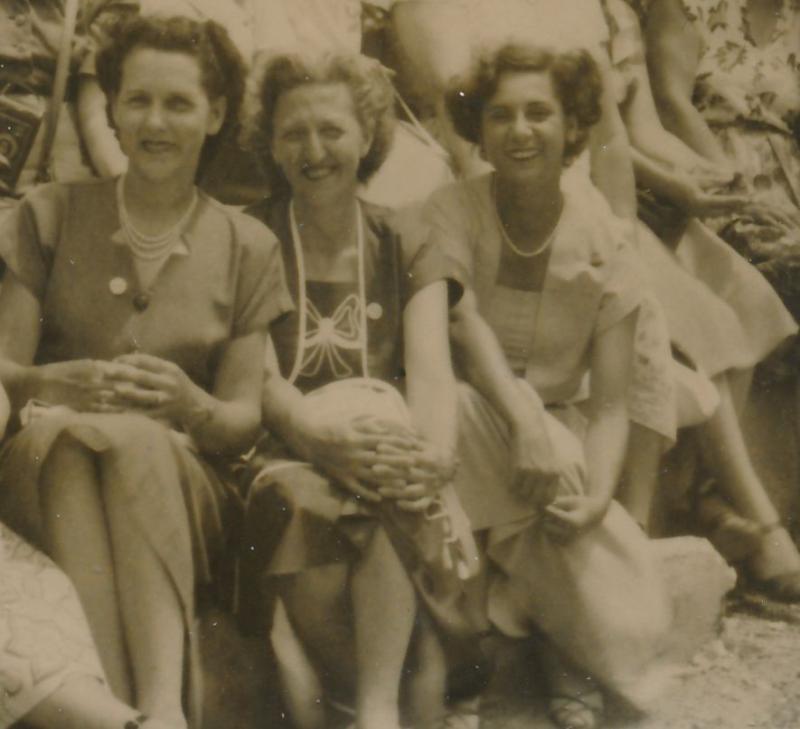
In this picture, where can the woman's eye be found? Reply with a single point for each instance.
(331, 133)
(292, 135)
(537, 113)
(180, 104)
(498, 115)
(136, 101)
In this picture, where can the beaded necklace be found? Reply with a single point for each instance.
(150, 247)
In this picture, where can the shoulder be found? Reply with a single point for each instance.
(590, 231)
(462, 201)
(53, 203)
(217, 221)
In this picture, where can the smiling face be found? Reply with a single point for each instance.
(163, 115)
(523, 127)
(318, 141)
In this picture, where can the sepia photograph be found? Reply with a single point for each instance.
(399, 364)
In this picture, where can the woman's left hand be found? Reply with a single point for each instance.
(570, 515)
(413, 488)
(156, 387)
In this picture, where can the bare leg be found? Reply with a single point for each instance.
(427, 683)
(84, 703)
(384, 607)
(318, 604)
(575, 702)
(152, 616)
(78, 541)
(640, 477)
(726, 452)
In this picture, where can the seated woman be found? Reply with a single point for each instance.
(45, 626)
(553, 296)
(727, 81)
(132, 325)
(723, 315)
(372, 302)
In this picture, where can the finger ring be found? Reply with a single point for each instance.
(161, 398)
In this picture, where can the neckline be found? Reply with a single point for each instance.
(506, 238)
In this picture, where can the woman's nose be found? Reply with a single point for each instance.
(314, 150)
(520, 126)
(154, 119)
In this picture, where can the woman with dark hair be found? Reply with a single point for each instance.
(358, 479)
(132, 327)
(552, 298)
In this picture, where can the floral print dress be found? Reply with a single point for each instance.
(749, 93)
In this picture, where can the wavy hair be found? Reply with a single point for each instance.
(222, 70)
(369, 85)
(576, 80)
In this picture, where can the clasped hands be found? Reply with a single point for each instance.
(375, 458)
(129, 383)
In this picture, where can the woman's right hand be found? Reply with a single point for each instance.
(84, 385)
(693, 198)
(349, 451)
(535, 465)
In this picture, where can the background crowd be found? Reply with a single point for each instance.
(373, 323)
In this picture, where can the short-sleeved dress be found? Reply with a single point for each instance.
(298, 518)
(750, 97)
(722, 313)
(598, 597)
(224, 280)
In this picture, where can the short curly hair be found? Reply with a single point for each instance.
(576, 80)
(222, 69)
(369, 84)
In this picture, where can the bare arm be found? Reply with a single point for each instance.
(673, 54)
(430, 384)
(607, 434)
(101, 142)
(611, 167)
(605, 445)
(531, 454)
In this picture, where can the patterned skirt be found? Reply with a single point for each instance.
(45, 638)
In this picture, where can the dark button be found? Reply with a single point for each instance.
(141, 302)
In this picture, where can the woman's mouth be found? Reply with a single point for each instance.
(523, 155)
(318, 172)
(152, 146)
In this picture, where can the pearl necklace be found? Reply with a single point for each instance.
(522, 254)
(150, 247)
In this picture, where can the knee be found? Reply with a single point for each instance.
(67, 460)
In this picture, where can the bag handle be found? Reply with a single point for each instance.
(59, 90)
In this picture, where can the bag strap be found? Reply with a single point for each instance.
(59, 90)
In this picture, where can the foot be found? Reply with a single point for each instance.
(774, 569)
(576, 712)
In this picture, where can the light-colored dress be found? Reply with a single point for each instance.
(598, 598)
(750, 97)
(44, 638)
(722, 313)
(224, 281)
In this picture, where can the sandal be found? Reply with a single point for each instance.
(775, 569)
(576, 712)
